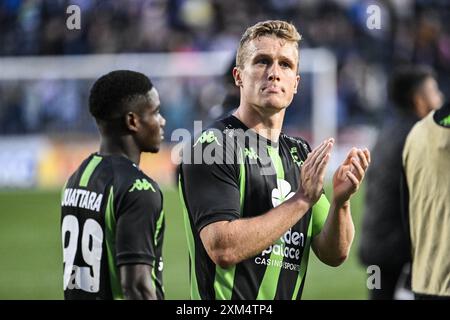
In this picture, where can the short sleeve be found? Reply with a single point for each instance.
(211, 192)
(319, 214)
(139, 223)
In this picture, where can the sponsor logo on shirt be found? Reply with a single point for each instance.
(290, 244)
(281, 193)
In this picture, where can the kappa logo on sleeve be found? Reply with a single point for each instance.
(251, 153)
(208, 137)
(142, 184)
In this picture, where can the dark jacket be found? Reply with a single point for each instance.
(384, 241)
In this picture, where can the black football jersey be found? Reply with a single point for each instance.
(231, 172)
(111, 215)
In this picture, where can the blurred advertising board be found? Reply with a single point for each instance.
(19, 161)
(42, 162)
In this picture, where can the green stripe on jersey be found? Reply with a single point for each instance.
(158, 226)
(319, 214)
(89, 170)
(269, 283)
(155, 240)
(242, 181)
(62, 192)
(110, 221)
(276, 161)
(223, 282)
(195, 295)
(303, 263)
(224, 278)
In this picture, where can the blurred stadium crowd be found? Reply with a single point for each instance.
(411, 32)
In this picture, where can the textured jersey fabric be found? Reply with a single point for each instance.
(249, 176)
(111, 215)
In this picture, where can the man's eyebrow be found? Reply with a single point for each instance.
(285, 58)
(262, 55)
(268, 56)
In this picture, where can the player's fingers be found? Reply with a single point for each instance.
(363, 160)
(313, 154)
(323, 152)
(352, 178)
(367, 154)
(322, 166)
(359, 169)
(350, 154)
(311, 158)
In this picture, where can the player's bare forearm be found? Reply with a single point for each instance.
(230, 242)
(136, 282)
(332, 245)
(135, 293)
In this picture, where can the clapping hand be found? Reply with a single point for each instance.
(313, 172)
(350, 174)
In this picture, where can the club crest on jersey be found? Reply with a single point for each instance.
(142, 184)
(295, 157)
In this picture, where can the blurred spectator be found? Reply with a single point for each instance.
(232, 97)
(426, 163)
(414, 91)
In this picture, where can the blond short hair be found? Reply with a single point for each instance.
(281, 29)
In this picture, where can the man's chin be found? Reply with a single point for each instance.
(274, 103)
(274, 106)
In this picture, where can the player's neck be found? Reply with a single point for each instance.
(267, 125)
(120, 146)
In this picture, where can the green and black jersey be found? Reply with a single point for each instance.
(111, 216)
(230, 172)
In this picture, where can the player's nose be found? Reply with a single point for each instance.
(274, 72)
(162, 122)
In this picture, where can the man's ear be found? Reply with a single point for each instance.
(131, 121)
(237, 77)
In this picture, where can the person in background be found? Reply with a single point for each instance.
(112, 219)
(231, 98)
(426, 164)
(384, 242)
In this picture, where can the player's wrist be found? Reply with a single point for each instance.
(341, 204)
(302, 200)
